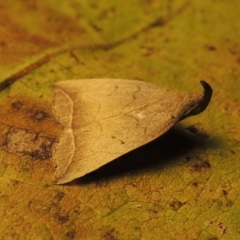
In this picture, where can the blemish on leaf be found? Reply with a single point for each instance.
(222, 228)
(15, 183)
(201, 165)
(226, 187)
(109, 235)
(25, 142)
(225, 203)
(210, 47)
(39, 207)
(175, 204)
(39, 116)
(17, 105)
(62, 218)
(196, 131)
(192, 129)
(137, 229)
(224, 192)
(153, 212)
(70, 234)
(195, 184)
(59, 196)
(231, 151)
(212, 238)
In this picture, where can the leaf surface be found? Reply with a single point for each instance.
(183, 185)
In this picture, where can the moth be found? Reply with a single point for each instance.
(103, 119)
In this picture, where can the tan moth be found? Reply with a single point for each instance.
(106, 118)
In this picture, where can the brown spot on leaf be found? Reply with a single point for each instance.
(212, 238)
(62, 218)
(25, 142)
(196, 131)
(39, 116)
(224, 192)
(109, 235)
(198, 186)
(70, 234)
(17, 105)
(201, 165)
(59, 196)
(226, 187)
(222, 228)
(226, 203)
(211, 48)
(14, 183)
(192, 129)
(175, 204)
(195, 184)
